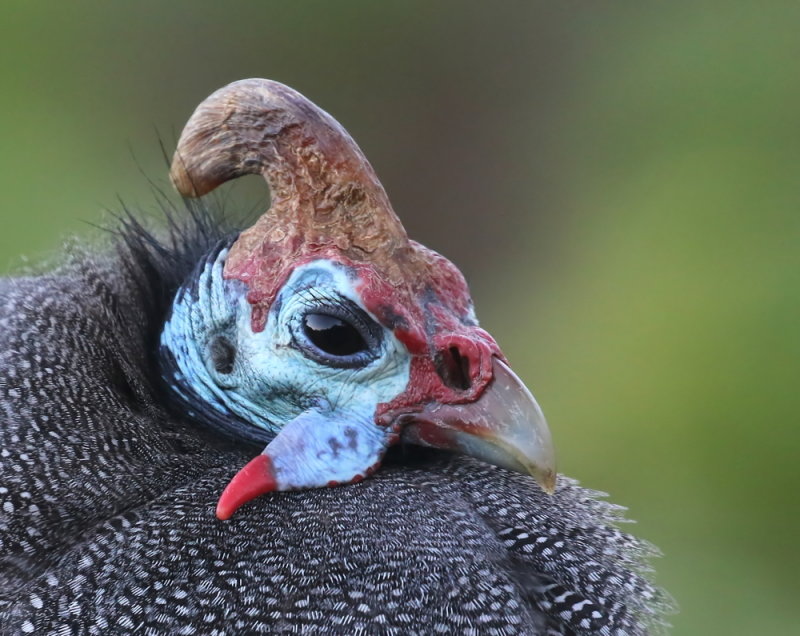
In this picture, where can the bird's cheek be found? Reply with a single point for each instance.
(313, 450)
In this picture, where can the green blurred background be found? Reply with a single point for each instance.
(619, 182)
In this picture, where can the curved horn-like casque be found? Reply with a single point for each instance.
(324, 191)
(260, 126)
(326, 201)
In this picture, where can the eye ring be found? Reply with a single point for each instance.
(338, 335)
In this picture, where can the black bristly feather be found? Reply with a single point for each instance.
(159, 262)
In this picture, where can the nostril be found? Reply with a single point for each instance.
(453, 368)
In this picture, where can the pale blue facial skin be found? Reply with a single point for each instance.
(322, 411)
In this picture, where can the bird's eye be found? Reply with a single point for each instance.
(333, 335)
(337, 333)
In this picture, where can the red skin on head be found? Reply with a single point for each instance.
(327, 203)
(429, 311)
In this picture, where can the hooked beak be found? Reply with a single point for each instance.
(504, 427)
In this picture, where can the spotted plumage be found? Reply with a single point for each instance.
(137, 377)
(107, 500)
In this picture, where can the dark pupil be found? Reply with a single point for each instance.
(333, 335)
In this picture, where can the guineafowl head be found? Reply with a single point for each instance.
(322, 330)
